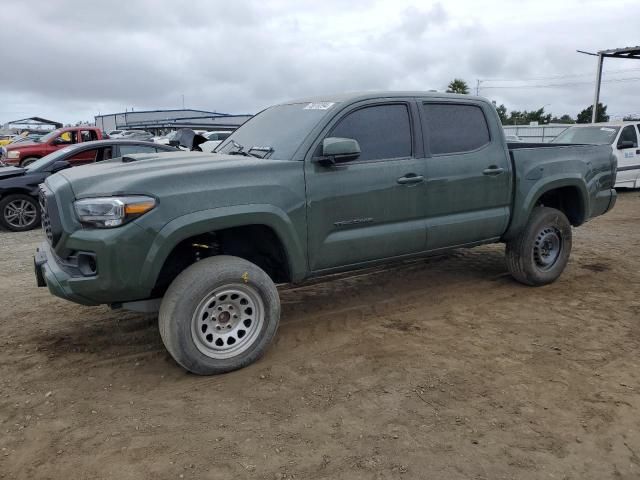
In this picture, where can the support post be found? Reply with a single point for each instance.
(596, 96)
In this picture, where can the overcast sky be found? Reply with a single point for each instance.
(70, 60)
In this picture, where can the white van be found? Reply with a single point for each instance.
(623, 136)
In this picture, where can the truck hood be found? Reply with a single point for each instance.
(21, 145)
(158, 175)
(10, 172)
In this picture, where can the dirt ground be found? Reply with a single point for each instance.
(438, 369)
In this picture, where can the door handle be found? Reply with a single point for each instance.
(493, 170)
(410, 178)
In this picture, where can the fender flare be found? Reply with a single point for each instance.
(542, 186)
(203, 221)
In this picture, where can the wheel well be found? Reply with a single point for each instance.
(258, 244)
(566, 199)
(31, 157)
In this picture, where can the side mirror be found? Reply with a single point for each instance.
(174, 143)
(59, 165)
(626, 144)
(339, 150)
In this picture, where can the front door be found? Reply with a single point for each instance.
(628, 157)
(370, 208)
(468, 190)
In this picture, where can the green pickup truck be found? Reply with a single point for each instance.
(304, 189)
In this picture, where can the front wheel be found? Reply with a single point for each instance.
(219, 315)
(539, 254)
(19, 212)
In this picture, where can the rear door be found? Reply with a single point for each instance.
(628, 158)
(370, 208)
(468, 189)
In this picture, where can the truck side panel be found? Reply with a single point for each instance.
(587, 169)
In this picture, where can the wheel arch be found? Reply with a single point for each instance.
(567, 194)
(244, 221)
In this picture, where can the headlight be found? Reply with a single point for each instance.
(107, 212)
(13, 154)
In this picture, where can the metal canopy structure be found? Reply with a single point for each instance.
(626, 52)
(157, 120)
(32, 124)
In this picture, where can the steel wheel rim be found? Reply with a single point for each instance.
(20, 213)
(227, 321)
(547, 248)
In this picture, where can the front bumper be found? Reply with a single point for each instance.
(50, 274)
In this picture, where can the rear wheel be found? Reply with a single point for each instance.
(540, 253)
(218, 315)
(19, 213)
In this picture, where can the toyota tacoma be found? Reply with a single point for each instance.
(305, 189)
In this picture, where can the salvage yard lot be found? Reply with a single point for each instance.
(440, 368)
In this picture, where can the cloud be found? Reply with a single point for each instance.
(70, 60)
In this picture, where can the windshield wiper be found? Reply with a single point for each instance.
(240, 151)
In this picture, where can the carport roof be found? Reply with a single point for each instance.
(36, 121)
(626, 52)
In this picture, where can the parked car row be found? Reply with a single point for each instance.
(19, 210)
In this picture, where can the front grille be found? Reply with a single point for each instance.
(46, 221)
(50, 218)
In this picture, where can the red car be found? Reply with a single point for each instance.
(24, 153)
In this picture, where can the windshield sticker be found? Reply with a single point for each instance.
(319, 106)
(605, 129)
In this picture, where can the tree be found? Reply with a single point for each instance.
(524, 118)
(563, 119)
(458, 86)
(502, 113)
(601, 114)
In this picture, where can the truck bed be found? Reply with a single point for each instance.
(537, 167)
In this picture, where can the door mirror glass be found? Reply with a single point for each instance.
(337, 150)
(626, 144)
(59, 165)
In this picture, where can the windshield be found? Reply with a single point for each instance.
(49, 136)
(276, 132)
(589, 135)
(41, 164)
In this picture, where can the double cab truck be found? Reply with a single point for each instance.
(305, 189)
(24, 153)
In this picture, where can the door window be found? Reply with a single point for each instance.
(383, 131)
(86, 156)
(455, 128)
(66, 138)
(628, 134)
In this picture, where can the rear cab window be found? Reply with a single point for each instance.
(454, 128)
(88, 135)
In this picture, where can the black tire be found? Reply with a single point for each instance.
(28, 161)
(181, 318)
(12, 203)
(532, 257)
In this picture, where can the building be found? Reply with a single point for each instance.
(160, 121)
